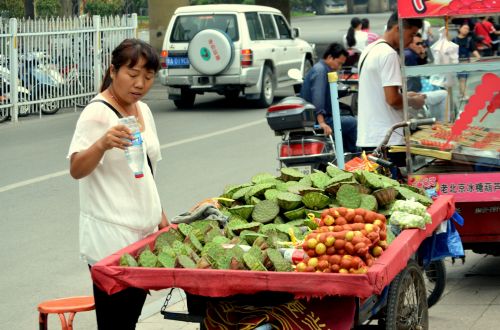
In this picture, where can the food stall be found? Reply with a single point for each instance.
(460, 155)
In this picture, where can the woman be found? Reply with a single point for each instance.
(356, 39)
(116, 209)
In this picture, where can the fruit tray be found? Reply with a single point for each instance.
(112, 278)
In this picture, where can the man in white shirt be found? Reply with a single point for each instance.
(380, 99)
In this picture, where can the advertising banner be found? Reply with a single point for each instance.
(466, 187)
(425, 8)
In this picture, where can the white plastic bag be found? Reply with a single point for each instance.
(444, 52)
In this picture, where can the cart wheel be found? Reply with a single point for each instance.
(407, 301)
(435, 281)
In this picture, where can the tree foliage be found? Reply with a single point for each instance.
(47, 8)
(104, 7)
(12, 8)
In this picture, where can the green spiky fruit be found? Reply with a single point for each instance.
(166, 260)
(385, 196)
(258, 190)
(192, 241)
(250, 236)
(315, 200)
(127, 260)
(375, 181)
(279, 263)
(147, 258)
(253, 263)
(288, 201)
(167, 238)
(263, 177)
(295, 214)
(278, 220)
(408, 194)
(251, 226)
(240, 193)
(368, 202)
(333, 171)
(185, 262)
(290, 174)
(185, 229)
(320, 179)
(348, 196)
(265, 211)
(271, 194)
(229, 190)
(221, 240)
(243, 211)
(306, 181)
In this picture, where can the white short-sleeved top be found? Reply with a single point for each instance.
(380, 69)
(116, 209)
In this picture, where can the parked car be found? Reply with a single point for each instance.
(335, 7)
(231, 50)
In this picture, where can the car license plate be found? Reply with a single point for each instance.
(305, 169)
(177, 62)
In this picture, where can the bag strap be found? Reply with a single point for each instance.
(119, 115)
(363, 61)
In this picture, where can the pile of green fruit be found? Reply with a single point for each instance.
(267, 214)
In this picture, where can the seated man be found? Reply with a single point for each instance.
(316, 90)
(435, 100)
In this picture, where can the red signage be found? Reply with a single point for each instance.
(466, 187)
(424, 8)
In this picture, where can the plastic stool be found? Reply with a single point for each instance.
(70, 305)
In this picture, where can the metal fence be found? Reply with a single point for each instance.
(49, 64)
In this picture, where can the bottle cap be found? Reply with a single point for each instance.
(138, 175)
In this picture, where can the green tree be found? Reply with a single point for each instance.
(12, 8)
(47, 8)
(104, 7)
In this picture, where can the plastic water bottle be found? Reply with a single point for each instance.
(134, 152)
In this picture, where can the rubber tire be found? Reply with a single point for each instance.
(409, 278)
(187, 99)
(49, 107)
(307, 66)
(267, 87)
(436, 273)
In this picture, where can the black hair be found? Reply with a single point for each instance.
(335, 50)
(129, 52)
(418, 35)
(365, 23)
(351, 40)
(407, 23)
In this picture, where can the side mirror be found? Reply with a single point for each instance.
(296, 32)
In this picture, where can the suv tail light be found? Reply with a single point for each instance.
(284, 106)
(301, 148)
(246, 57)
(163, 59)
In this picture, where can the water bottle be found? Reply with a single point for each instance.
(134, 152)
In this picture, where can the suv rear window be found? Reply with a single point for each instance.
(187, 26)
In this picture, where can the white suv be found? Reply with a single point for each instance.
(231, 49)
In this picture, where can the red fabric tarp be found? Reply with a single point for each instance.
(111, 277)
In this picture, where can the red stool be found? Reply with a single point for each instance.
(70, 305)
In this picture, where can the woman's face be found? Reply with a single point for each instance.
(131, 84)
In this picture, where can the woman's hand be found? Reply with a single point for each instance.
(116, 137)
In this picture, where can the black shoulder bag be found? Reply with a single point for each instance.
(119, 115)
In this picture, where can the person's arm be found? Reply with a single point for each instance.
(164, 221)
(394, 98)
(84, 162)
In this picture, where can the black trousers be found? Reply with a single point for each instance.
(120, 310)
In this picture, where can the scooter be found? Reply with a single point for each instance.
(303, 145)
(23, 95)
(43, 80)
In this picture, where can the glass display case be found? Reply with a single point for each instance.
(460, 153)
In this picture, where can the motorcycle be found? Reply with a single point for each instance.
(23, 95)
(43, 79)
(303, 145)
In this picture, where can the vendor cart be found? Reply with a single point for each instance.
(392, 291)
(460, 155)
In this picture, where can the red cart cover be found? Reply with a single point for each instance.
(111, 277)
